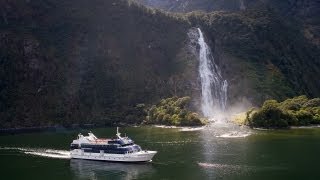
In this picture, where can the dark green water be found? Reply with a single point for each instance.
(285, 154)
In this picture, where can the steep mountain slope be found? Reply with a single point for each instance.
(283, 35)
(192, 5)
(274, 56)
(304, 13)
(86, 61)
(93, 61)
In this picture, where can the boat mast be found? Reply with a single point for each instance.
(118, 134)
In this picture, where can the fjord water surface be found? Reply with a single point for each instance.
(208, 153)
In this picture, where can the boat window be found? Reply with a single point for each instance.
(74, 146)
(137, 148)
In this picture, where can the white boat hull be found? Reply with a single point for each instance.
(141, 156)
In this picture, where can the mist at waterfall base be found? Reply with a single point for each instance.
(214, 87)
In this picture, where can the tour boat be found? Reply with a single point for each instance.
(119, 149)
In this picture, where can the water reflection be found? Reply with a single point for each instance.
(224, 150)
(85, 169)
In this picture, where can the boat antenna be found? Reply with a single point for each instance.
(118, 134)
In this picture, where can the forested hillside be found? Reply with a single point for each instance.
(303, 13)
(92, 61)
(86, 61)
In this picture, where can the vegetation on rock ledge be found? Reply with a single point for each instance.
(64, 63)
(173, 111)
(298, 111)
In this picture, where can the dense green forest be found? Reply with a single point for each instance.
(298, 111)
(93, 61)
(173, 111)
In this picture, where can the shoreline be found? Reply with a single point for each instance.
(55, 128)
(59, 128)
(289, 128)
(22, 130)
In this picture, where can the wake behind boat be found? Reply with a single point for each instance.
(120, 149)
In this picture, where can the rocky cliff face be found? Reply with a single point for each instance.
(194, 5)
(283, 35)
(302, 12)
(88, 61)
(262, 55)
(81, 61)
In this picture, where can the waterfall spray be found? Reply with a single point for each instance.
(242, 6)
(213, 87)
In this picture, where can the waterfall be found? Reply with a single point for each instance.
(242, 6)
(213, 87)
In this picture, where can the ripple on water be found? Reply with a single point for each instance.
(215, 165)
(238, 169)
(225, 169)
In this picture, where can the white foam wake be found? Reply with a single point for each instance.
(166, 127)
(214, 165)
(180, 128)
(234, 134)
(191, 129)
(50, 153)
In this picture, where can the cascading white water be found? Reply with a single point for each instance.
(213, 87)
(242, 6)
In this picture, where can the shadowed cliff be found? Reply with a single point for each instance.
(81, 61)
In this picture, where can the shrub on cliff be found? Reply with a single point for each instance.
(298, 111)
(270, 115)
(173, 111)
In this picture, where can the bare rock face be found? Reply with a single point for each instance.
(293, 7)
(31, 53)
(305, 12)
(195, 5)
